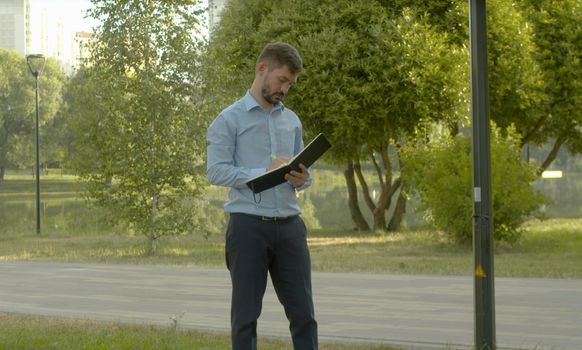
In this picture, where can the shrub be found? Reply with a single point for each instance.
(440, 172)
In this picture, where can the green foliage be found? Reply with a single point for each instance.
(229, 61)
(441, 173)
(17, 109)
(448, 16)
(514, 76)
(557, 36)
(140, 144)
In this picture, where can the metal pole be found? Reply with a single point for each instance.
(37, 163)
(482, 207)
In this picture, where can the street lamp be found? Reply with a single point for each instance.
(36, 65)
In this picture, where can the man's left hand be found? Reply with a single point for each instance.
(298, 178)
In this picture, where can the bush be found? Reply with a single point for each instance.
(441, 173)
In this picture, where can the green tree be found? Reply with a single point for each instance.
(514, 75)
(369, 80)
(139, 141)
(557, 37)
(51, 146)
(534, 64)
(17, 110)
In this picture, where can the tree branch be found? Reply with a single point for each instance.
(387, 165)
(365, 188)
(385, 197)
(395, 186)
(353, 205)
(377, 167)
(553, 153)
(530, 135)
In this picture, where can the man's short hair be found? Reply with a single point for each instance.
(280, 54)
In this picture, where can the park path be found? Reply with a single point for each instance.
(424, 311)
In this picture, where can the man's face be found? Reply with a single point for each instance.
(276, 84)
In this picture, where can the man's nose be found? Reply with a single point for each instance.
(285, 87)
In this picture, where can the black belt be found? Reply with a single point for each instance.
(269, 218)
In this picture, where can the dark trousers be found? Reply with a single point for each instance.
(254, 248)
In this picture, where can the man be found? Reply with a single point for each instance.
(265, 233)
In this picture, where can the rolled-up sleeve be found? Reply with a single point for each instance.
(221, 169)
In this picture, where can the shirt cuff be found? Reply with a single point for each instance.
(300, 188)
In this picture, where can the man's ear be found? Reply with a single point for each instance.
(262, 67)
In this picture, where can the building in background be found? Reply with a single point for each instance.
(15, 25)
(215, 8)
(55, 29)
(82, 49)
(53, 37)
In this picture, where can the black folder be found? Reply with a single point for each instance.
(312, 152)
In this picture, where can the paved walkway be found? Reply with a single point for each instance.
(426, 311)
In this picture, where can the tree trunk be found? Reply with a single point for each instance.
(153, 237)
(365, 190)
(378, 210)
(2, 173)
(400, 185)
(387, 188)
(399, 212)
(552, 155)
(153, 245)
(383, 203)
(453, 129)
(356, 213)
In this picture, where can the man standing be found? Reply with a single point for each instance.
(265, 234)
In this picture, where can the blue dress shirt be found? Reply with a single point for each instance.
(242, 141)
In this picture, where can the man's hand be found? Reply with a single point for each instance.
(277, 162)
(298, 178)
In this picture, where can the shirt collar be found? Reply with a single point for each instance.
(251, 103)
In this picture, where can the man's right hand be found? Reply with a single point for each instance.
(277, 162)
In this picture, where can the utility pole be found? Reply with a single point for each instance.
(482, 205)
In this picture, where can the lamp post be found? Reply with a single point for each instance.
(36, 65)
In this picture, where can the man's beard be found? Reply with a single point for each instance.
(272, 98)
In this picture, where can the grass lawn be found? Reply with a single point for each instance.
(551, 248)
(49, 184)
(19, 332)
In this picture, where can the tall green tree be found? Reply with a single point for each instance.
(139, 137)
(17, 109)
